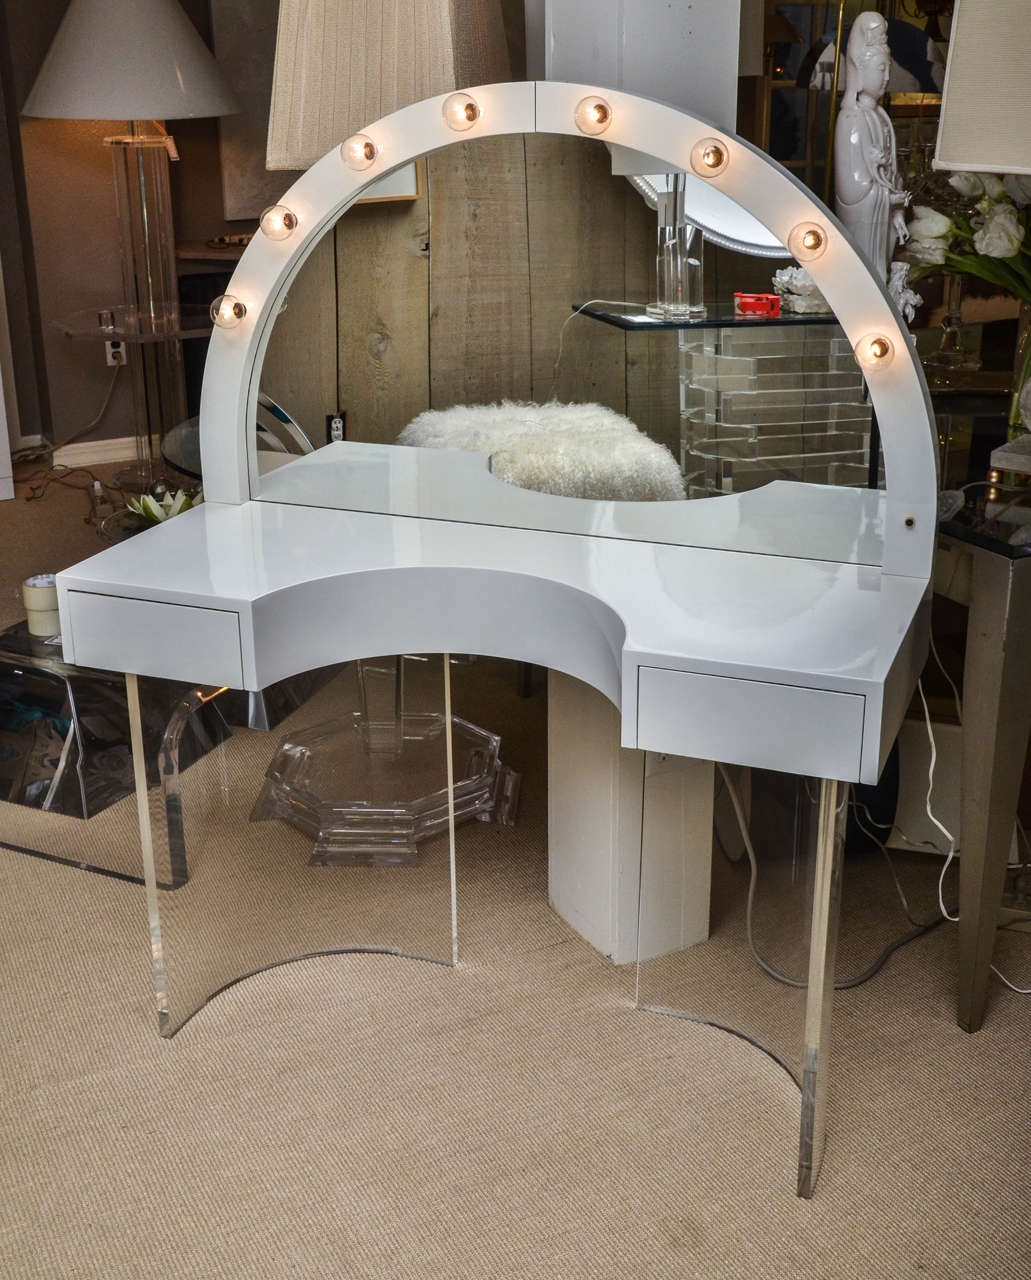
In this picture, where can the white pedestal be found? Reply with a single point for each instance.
(596, 792)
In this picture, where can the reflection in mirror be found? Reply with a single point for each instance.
(410, 319)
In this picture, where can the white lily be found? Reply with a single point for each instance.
(1002, 235)
(930, 251)
(967, 184)
(929, 224)
(155, 511)
(1018, 188)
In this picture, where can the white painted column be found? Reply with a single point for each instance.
(595, 830)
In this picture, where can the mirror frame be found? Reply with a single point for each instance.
(749, 177)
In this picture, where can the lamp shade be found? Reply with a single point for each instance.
(129, 60)
(986, 100)
(340, 64)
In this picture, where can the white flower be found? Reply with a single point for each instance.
(929, 251)
(967, 184)
(929, 223)
(1001, 235)
(1018, 188)
(993, 187)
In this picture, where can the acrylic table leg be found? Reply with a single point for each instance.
(822, 950)
(139, 765)
(996, 717)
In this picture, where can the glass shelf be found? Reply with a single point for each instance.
(718, 315)
(122, 324)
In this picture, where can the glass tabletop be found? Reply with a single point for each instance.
(718, 315)
(18, 645)
(125, 324)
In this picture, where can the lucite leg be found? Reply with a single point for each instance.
(449, 751)
(234, 887)
(826, 902)
(139, 765)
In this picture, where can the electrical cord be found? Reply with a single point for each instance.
(856, 806)
(927, 805)
(952, 683)
(1022, 991)
(37, 452)
(753, 881)
(609, 302)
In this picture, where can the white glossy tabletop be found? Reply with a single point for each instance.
(726, 612)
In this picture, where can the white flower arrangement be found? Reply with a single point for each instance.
(984, 234)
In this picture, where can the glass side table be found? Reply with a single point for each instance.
(763, 398)
(66, 774)
(151, 347)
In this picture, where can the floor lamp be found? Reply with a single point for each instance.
(141, 61)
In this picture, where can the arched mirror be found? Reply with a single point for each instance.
(486, 352)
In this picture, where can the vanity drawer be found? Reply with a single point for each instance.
(767, 726)
(178, 642)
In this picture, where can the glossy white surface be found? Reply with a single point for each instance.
(818, 522)
(751, 180)
(688, 714)
(152, 639)
(313, 586)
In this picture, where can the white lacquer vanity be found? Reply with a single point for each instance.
(782, 628)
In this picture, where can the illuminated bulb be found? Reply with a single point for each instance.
(592, 115)
(277, 222)
(358, 151)
(875, 351)
(993, 494)
(709, 157)
(993, 476)
(807, 241)
(460, 112)
(227, 311)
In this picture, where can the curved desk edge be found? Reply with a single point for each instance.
(796, 665)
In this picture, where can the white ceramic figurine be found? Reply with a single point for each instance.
(869, 197)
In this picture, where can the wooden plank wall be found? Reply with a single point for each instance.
(460, 296)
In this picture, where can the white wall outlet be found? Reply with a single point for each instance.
(115, 351)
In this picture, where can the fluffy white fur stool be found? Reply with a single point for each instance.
(572, 450)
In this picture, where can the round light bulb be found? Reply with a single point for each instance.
(358, 151)
(277, 222)
(592, 115)
(460, 112)
(227, 311)
(875, 351)
(807, 241)
(709, 157)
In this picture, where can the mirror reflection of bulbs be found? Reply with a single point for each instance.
(592, 115)
(358, 151)
(875, 351)
(227, 311)
(277, 222)
(460, 112)
(807, 241)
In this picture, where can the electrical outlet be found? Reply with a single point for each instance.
(114, 349)
(336, 426)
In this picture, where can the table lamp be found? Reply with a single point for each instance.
(141, 61)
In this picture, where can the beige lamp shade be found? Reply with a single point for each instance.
(129, 60)
(985, 119)
(342, 64)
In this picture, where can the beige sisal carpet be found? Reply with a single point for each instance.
(370, 1117)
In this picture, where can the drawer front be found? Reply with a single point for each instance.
(175, 641)
(767, 726)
